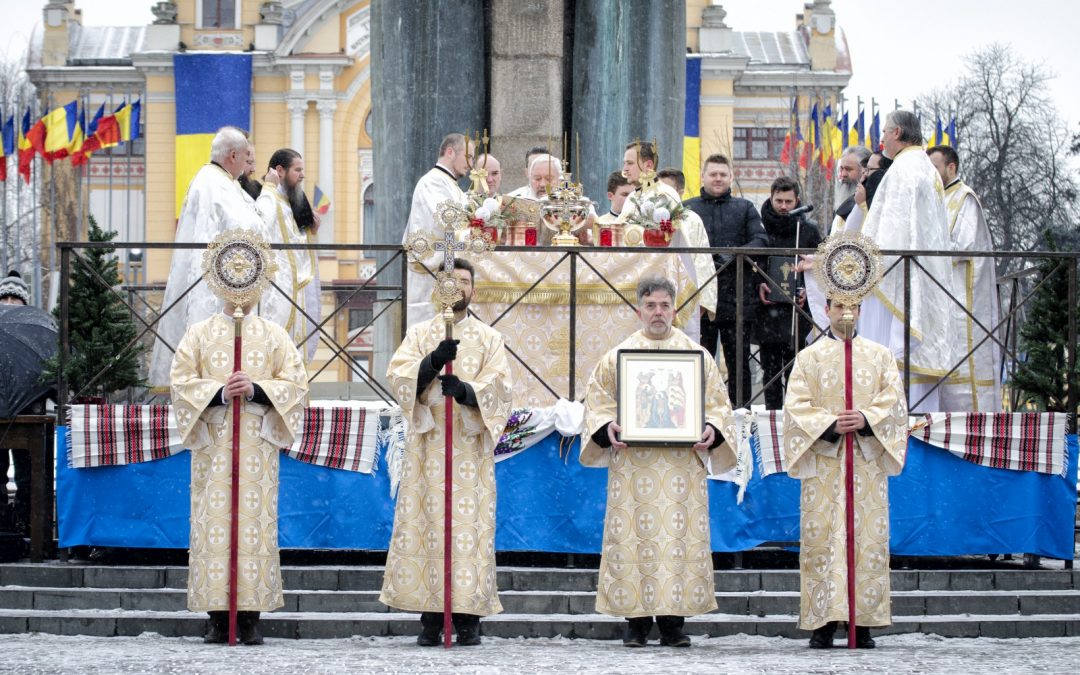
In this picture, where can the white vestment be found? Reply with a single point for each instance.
(976, 385)
(689, 233)
(297, 273)
(435, 187)
(908, 214)
(214, 203)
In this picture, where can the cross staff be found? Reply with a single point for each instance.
(454, 220)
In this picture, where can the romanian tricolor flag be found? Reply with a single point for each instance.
(60, 130)
(691, 154)
(26, 146)
(875, 133)
(953, 140)
(91, 143)
(322, 202)
(789, 149)
(228, 77)
(7, 144)
(857, 135)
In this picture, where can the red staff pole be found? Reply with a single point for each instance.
(234, 525)
(849, 461)
(448, 496)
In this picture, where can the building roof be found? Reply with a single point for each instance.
(772, 48)
(104, 45)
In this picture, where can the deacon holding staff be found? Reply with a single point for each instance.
(845, 433)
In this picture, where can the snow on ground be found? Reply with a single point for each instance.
(909, 653)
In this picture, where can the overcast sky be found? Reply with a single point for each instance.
(898, 49)
(902, 49)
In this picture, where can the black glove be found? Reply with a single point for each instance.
(444, 353)
(461, 391)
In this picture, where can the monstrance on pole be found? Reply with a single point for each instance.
(457, 237)
(849, 268)
(237, 266)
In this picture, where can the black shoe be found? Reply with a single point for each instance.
(637, 631)
(468, 629)
(671, 633)
(863, 639)
(823, 637)
(431, 633)
(217, 628)
(247, 627)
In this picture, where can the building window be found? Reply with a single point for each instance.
(358, 318)
(219, 14)
(758, 143)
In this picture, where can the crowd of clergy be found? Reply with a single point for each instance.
(656, 562)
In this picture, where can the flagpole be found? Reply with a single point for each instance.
(18, 177)
(3, 214)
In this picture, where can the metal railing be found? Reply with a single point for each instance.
(1019, 288)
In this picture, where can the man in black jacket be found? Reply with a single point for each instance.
(729, 222)
(781, 329)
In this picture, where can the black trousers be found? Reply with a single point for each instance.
(726, 332)
(21, 512)
(773, 357)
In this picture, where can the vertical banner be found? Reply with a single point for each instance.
(212, 91)
(691, 154)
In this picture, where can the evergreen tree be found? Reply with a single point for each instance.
(1044, 337)
(99, 325)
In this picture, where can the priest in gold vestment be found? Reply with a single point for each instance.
(815, 421)
(656, 559)
(274, 383)
(481, 387)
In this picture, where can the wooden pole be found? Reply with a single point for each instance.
(849, 480)
(234, 525)
(448, 495)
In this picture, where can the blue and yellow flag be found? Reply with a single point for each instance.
(228, 77)
(691, 152)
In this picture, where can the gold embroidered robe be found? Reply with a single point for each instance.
(815, 396)
(656, 559)
(414, 564)
(202, 365)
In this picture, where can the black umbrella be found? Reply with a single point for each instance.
(27, 339)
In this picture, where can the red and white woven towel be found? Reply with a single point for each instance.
(338, 435)
(1016, 441)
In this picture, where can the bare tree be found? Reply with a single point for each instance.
(1014, 147)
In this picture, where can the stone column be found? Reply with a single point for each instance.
(527, 73)
(428, 79)
(297, 113)
(629, 81)
(326, 165)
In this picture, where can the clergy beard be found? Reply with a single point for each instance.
(301, 207)
(843, 192)
(250, 185)
(461, 305)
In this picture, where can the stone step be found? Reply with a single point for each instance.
(366, 578)
(755, 603)
(592, 626)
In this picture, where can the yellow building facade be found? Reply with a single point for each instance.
(311, 91)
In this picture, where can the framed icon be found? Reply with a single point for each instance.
(661, 397)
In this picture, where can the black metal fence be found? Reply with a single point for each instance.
(1018, 289)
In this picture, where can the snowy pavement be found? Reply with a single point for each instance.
(909, 653)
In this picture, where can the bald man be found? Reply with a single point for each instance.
(494, 172)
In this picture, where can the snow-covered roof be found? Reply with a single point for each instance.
(772, 48)
(104, 45)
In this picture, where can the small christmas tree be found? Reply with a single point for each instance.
(1043, 376)
(99, 326)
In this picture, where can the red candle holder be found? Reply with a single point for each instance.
(530, 236)
(605, 236)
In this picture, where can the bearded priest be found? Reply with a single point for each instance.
(656, 559)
